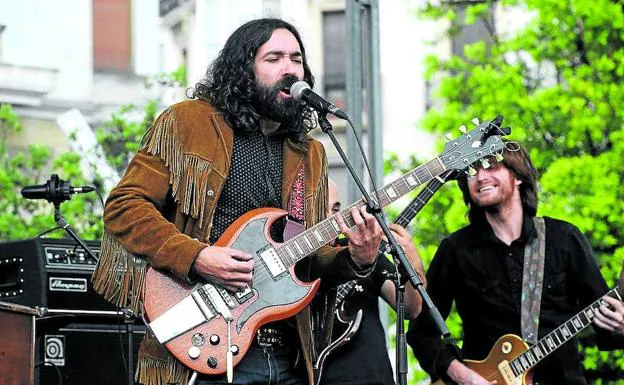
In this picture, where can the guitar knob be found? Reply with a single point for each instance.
(475, 121)
(198, 339)
(214, 339)
(194, 352)
(212, 362)
(463, 129)
(499, 157)
(234, 349)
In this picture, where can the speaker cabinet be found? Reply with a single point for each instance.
(87, 353)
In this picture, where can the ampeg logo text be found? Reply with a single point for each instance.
(68, 284)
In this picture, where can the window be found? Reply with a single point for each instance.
(334, 57)
(111, 35)
(2, 27)
(479, 31)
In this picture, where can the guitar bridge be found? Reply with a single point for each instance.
(220, 303)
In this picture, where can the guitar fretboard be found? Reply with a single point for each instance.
(343, 290)
(414, 207)
(305, 243)
(559, 336)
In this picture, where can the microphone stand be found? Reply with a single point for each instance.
(62, 223)
(399, 255)
(128, 316)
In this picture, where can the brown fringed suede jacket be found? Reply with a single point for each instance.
(161, 213)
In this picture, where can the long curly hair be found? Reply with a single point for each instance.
(230, 83)
(517, 160)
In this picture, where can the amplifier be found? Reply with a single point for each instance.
(87, 353)
(50, 273)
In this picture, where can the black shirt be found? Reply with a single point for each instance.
(364, 359)
(254, 181)
(483, 276)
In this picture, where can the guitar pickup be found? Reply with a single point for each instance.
(272, 261)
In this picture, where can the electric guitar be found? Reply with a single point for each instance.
(352, 321)
(510, 361)
(209, 329)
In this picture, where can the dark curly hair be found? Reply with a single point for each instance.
(230, 84)
(517, 160)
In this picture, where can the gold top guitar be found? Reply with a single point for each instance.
(510, 361)
(209, 329)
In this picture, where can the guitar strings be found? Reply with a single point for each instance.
(264, 273)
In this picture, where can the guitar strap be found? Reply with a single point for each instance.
(532, 283)
(295, 221)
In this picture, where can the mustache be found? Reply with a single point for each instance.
(286, 82)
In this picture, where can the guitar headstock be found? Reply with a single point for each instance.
(483, 141)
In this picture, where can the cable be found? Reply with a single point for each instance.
(58, 370)
(49, 231)
(368, 169)
(97, 191)
(121, 345)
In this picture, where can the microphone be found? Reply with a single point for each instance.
(54, 190)
(301, 91)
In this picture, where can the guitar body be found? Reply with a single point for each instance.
(504, 350)
(272, 299)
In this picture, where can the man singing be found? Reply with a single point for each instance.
(239, 144)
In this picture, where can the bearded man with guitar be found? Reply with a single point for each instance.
(509, 272)
(238, 145)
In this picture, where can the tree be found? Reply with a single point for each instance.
(558, 83)
(119, 137)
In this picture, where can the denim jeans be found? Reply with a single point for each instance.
(264, 366)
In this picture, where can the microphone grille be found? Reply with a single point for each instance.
(297, 88)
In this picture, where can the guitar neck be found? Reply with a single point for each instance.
(421, 199)
(414, 207)
(559, 336)
(305, 243)
(343, 290)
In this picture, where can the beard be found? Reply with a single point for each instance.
(271, 107)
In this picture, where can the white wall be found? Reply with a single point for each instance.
(403, 49)
(145, 45)
(51, 34)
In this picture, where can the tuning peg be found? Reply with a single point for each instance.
(472, 171)
(475, 121)
(463, 129)
(498, 157)
(448, 137)
(485, 163)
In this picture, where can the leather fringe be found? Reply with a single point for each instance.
(156, 367)
(119, 275)
(151, 371)
(188, 174)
